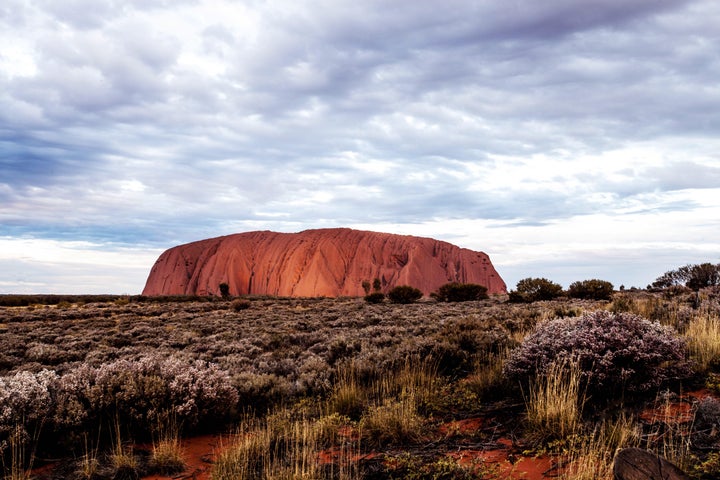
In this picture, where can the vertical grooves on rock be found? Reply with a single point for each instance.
(327, 262)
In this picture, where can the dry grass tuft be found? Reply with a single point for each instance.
(703, 334)
(278, 448)
(591, 458)
(395, 422)
(167, 453)
(554, 407)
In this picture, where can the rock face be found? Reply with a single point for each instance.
(638, 464)
(313, 263)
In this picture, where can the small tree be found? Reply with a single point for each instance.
(366, 287)
(591, 290)
(376, 285)
(534, 289)
(460, 292)
(692, 276)
(404, 294)
(224, 290)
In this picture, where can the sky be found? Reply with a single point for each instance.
(567, 139)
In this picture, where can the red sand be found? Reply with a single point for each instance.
(199, 453)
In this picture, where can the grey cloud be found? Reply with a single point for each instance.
(683, 175)
(421, 87)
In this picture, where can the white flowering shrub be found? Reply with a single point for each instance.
(25, 402)
(145, 390)
(614, 351)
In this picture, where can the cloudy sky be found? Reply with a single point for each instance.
(568, 139)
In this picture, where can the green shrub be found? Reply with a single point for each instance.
(591, 290)
(376, 297)
(404, 294)
(460, 292)
(534, 289)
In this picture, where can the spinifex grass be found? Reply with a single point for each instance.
(122, 457)
(671, 436)
(167, 453)
(703, 334)
(279, 447)
(555, 403)
(18, 468)
(89, 463)
(487, 375)
(590, 457)
(394, 422)
(349, 397)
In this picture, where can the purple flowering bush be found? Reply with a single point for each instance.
(614, 351)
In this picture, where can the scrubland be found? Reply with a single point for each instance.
(346, 389)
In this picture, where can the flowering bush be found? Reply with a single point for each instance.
(144, 390)
(613, 350)
(25, 401)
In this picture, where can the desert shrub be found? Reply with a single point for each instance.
(416, 467)
(142, 391)
(404, 294)
(261, 391)
(240, 304)
(395, 422)
(707, 414)
(612, 350)
(591, 290)
(694, 277)
(460, 292)
(535, 289)
(375, 297)
(25, 400)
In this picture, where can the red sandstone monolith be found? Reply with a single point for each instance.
(314, 263)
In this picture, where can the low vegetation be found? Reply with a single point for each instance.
(530, 290)
(404, 294)
(614, 352)
(460, 292)
(348, 389)
(591, 290)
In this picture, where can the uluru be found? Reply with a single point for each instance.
(316, 263)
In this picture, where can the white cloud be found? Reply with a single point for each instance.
(74, 267)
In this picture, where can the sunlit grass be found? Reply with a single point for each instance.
(703, 334)
(555, 401)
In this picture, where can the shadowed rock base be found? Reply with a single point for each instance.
(638, 464)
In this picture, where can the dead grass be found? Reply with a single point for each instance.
(703, 335)
(20, 460)
(167, 452)
(348, 362)
(592, 456)
(555, 401)
(279, 448)
(122, 456)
